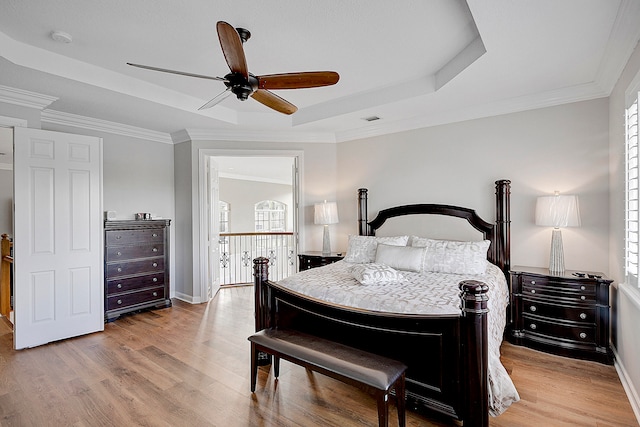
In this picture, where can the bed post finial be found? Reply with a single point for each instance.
(503, 225)
(363, 227)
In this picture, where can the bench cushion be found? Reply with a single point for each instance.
(367, 368)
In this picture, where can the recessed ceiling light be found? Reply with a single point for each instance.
(61, 37)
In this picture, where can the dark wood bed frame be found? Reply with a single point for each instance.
(446, 355)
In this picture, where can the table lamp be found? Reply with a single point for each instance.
(325, 214)
(557, 211)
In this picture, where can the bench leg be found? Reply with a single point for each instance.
(276, 366)
(254, 366)
(400, 400)
(383, 408)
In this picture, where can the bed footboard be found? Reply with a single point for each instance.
(447, 356)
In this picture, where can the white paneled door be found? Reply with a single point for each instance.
(58, 261)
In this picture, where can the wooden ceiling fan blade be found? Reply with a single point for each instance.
(298, 80)
(218, 99)
(181, 73)
(231, 45)
(273, 101)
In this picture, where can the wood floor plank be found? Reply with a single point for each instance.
(188, 365)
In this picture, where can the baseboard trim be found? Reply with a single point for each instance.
(632, 393)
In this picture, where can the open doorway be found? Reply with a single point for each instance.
(252, 210)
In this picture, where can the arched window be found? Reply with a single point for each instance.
(270, 215)
(224, 216)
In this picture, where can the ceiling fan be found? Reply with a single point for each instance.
(243, 84)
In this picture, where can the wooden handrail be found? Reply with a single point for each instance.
(5, 275)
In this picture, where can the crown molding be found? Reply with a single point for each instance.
(534, 101)
(25, 98)
(82, 122)
(251, 136)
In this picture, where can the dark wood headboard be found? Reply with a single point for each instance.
(499, 232)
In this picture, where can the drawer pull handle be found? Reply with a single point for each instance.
(155, 249)
(154, 235)
(583, 287)
(583, 335)
(119, 253)
(118, 237)
(533, 282)
(155, 264)
(533, 326)
(155, 294)
(533, 291)
(583, 316)
(119, 269)
(155, 279)
(119, 301)
(533, 308)
(582, 297)
(119, 286)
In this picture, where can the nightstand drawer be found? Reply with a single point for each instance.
(581, 334)
(544, 288)
(584, 314)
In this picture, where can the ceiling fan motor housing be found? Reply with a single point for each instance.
(240, 86)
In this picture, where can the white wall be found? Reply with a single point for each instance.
(562, 148)
(626, 299)
(242, 195)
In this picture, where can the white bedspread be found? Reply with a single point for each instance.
(418, 293)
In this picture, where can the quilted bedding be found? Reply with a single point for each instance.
(424, 293)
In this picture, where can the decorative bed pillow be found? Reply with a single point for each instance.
(446, 256)
(362, 249)
(375, 274)
(406, 258)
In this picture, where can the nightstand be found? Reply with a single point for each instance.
(565, 314)
(312, 259)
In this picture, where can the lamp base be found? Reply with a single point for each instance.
(556, 257)
(326, 242)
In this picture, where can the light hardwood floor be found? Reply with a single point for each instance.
(189, 366)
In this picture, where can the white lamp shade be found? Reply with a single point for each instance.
(326, 213)
(558, 211)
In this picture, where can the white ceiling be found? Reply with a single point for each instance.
(413, 63)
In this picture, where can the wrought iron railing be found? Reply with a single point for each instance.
(238, 250)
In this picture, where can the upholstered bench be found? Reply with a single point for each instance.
(373, 373)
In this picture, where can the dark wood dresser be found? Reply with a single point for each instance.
(565, 314)
(136, 266)
(313, 259)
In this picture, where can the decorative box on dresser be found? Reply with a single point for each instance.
(566, 314)
(136, 266)
(309, 260)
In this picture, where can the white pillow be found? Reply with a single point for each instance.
(446, 256)
(362, 249)
(375, 274)
(400, 257)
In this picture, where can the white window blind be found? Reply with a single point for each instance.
(632, 207)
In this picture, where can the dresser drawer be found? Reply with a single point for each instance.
(133, 298)
(116, 253)
(553, 330)
(150, 265)
(127, 237)
(131, 283)
(583, 314)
